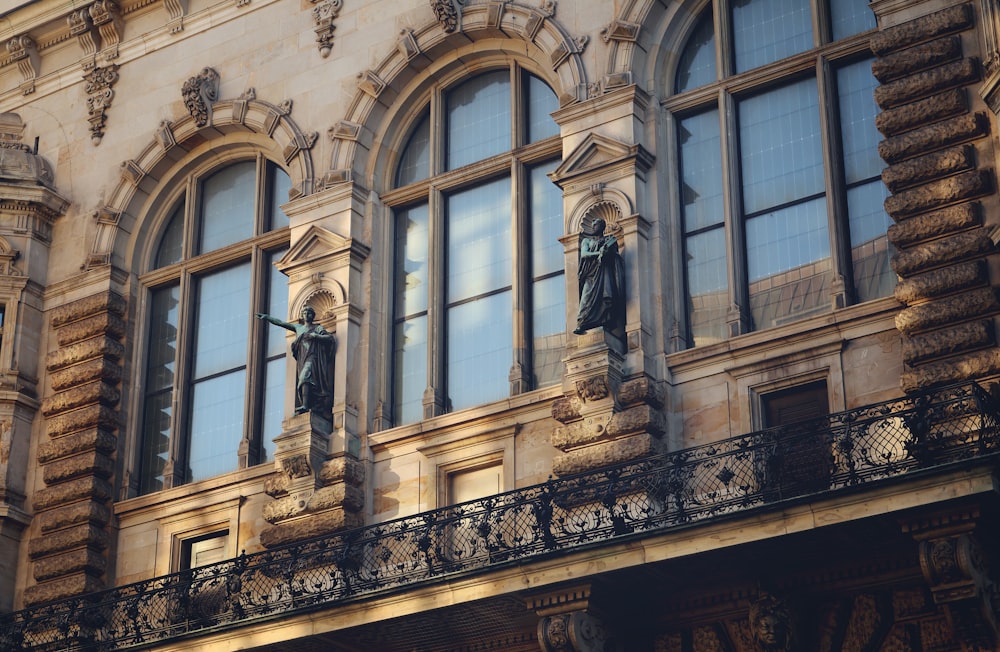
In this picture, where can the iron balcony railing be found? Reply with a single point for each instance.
(836, 453)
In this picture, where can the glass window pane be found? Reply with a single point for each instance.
(172, 243)
(411, 261)
(870, 249)
(479, 350)
(227, 206)
(479, 240)
(701, 170)
(478, 114)
(162, 349)
(765, 31)
(856, 88)
(415, 163)
(410, 369)
(548, 329)
(157, 416)
(707, 287)
(274, 407)
(222, 321)
(849, 17)
(546, 222)
(697, 65)
(216, 425)
(788, 260)
(781, 148)
(542, 102)
(281, 183)
(277, 304)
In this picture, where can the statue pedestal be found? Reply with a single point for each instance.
(316, 491)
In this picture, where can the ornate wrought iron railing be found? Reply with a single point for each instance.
(835, 453)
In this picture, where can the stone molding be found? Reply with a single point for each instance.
(24, 52)
(324, 13)
(100, 82)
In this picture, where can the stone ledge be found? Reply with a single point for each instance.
(91, 463)
(947, 21)
(955, 369)
(106, 369)
(947, 341)
(96, 347)
(85, 560)
(343, 469)
(935, 224)
(310, 526)
(897, 64)
(923, 112)
(941, 252)
(941, 281)
(933, 136)
(79, 442)
(76, 397)
(92, 416)
(77, 536)
(957, 307)
(64, 587)
(604, 454)
(87, 511)
(927, 83)
(929, 167)
(102, 324)
(87, 488)
(937, 194)
(87, 307)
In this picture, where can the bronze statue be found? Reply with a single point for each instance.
(602, 281)
(313, 352)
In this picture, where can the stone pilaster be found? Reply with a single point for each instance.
(69, 545)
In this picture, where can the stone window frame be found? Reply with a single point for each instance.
(821, 62)
(516, 162)
(464, 449)
(184, 180)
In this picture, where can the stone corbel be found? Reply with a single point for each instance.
(199, 93)
(324, 14)
(107, 17)
(176, 10)
(100, 93)
(81, 25)
(570, 621)
(448, 13)
(24, 52)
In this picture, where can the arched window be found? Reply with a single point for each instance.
(781, 196)
(478, 295)
(213, 389)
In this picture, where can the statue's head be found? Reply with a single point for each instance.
(771, 624)
(597, 226)
(308, 314)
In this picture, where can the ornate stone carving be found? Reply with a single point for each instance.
(199, 93)
(771, 624)
(577, 631)
(108, 19)
(324, 13)
(100, 93)
(81, 25)
(175, 12)
(448, 13)
(24, 53)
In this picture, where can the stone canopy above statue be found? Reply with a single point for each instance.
(18, 162)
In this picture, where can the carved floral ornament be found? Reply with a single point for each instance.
(324, 13)
(199, 93)
(99, 86)
(448, 13)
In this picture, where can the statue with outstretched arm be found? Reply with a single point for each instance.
(313, 349)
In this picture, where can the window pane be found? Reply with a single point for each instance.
(160, 367)
(411, 261)
(478, 114)
(216, 425)
(479, 350)
(410, 365)
(157, 415)
(542, 102)
(548, 327)
(415, 163)
(280, 185)
(277, 304)
(701, 171)
(707, 287)
(222, 321)
(172, 243)
(274, 406)
(697, 64)
(781, 149)
(856, 88)
(870, 249)
(849, 17)
(765, 31)
(788, 260)
(227, 206)
(479, 240)
(546, 222)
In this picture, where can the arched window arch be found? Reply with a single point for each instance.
(478, 293)
(779, 173)
(213, 378)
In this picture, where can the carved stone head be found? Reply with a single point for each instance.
(771, 624)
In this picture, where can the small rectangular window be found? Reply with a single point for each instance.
(470, 484)
(802, 459)
(203, 550)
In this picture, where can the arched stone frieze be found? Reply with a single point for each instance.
(417, 49)
(234, 122)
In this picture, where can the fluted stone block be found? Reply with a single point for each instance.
(933, 136)
(920, 57)
(345, 468)
(81, 489)
(90, 463)
(929, 167)
(604, 454)
(101, 324)
(948, 21)
(979, 364)
(933, 109)
(71, 561)
(86, 534)
(98, 347)
(935, 224)
(937, 194)
(305, 528)
(941, 281)
(64, 587)
(947, 341)
(957, 307)
(926, 83)
(87, 307)
(106, 369)
(93, 439)
(92, 416)
(940, 252)
(641, 418)
(90, 393)
(86, 511)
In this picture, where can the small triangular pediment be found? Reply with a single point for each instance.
(317, 244)
(596, 151)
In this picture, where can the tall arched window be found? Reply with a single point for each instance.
(781, 196)
(478, 298)
(213, 390)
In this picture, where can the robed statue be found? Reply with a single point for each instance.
(312, 349)
(602, 281)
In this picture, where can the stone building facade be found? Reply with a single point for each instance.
(786, 441)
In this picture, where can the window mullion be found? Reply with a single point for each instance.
(175, 470)
(250, 444)
(723, 40)
(260, 195)
(520, 371)
(434, 395)
(738, 315)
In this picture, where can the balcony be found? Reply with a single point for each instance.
(918, 436)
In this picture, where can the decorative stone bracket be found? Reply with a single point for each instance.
(24, 52)
(100, 93)
(199, 93)
(570, 621)
(324, 13)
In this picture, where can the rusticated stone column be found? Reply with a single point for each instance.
(935, 143)
(69, 546)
